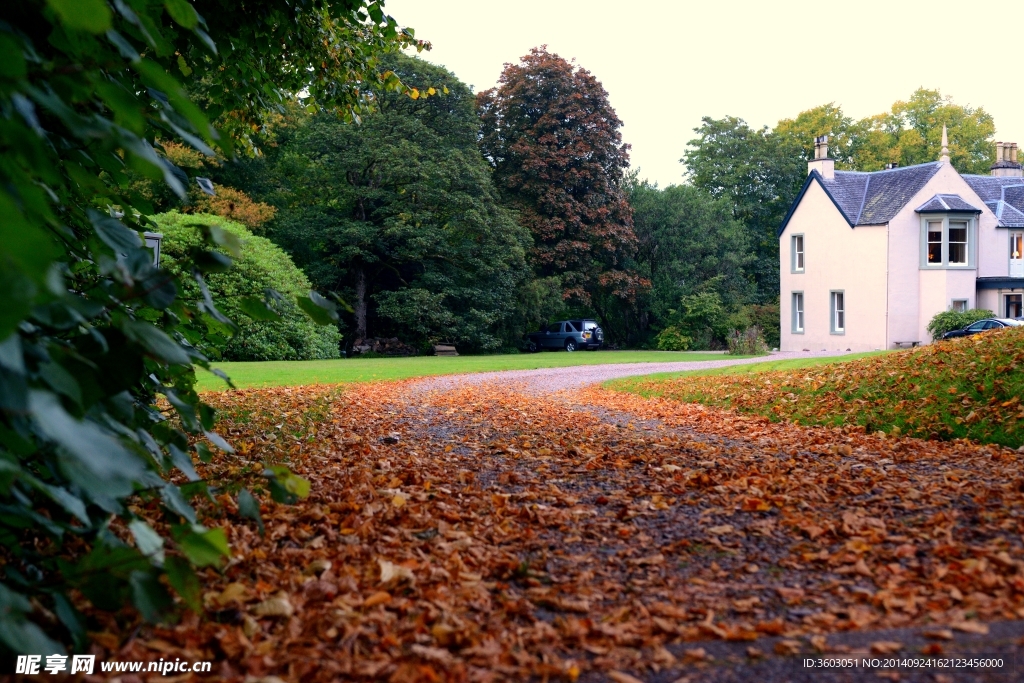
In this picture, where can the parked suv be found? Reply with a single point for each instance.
(567, 334)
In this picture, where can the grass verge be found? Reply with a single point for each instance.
(301, 373)
(965, 388)
(647, 385)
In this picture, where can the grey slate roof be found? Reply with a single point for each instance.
(1003, 195)
(874, 198)
(946, 203)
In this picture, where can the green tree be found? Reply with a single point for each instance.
(287, 334)
(759, 174)
(688, 242)
(828, 119)
(911, 133)
(398, 214)
(91, 332)
(554, 142)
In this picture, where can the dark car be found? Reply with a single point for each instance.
(981, 326)
(567, 334)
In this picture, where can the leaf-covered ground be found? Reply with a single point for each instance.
(491, 533)
(965, 388)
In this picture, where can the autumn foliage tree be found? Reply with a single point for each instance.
(558, 157)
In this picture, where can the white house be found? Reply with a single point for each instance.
(866, 259)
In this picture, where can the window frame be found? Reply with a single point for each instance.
(834, 311)
(798, 313)
(971, 245)
(797, 265)
(954, 302)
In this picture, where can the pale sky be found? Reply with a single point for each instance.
(666, 64)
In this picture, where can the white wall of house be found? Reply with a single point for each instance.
(837, 258)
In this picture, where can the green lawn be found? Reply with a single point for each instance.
(297, 373)
(632, 384)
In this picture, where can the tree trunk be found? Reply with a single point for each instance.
(360, 307)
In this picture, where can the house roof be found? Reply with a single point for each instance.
(1003, 195)
(946, 203)
(869, 198)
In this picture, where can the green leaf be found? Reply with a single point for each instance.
(147, 540)
(22, 244)
(83, 15)
(183, 461)
(322, 311)
(185, 582)
(256, 308)
(249, 507)
(219, 441)
(127, 109)
(12, 61)
(72, 619)
(183, 13)
(203, 452)
(99, 463)
(114, 233)
(203, 547)
(285, 485)
(16, 632)
(183, 67)
(176, 502)
(150, 596)
(231, 242)
(156, 342)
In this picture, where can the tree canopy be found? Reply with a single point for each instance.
(554, 142)
(398, 214)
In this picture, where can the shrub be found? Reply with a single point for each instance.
(750, 342)
(261, 265)
(953, 320)
(672, 339)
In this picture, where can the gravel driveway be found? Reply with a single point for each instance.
(551, 380)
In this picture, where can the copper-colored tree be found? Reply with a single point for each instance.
(553, 139)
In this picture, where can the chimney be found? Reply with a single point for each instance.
(821, 163)
(1006, 165)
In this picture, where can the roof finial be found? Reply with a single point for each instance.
(945, 145)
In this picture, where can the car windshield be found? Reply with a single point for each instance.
(589, 325)
(978, 326)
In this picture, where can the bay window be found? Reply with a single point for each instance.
(948, 241)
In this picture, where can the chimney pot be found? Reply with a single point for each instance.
(821, 163)
(1006, 161)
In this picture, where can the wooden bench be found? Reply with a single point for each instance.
(912, 344)
(445, 350)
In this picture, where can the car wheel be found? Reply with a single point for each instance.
(570, 345)
(532, 347)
